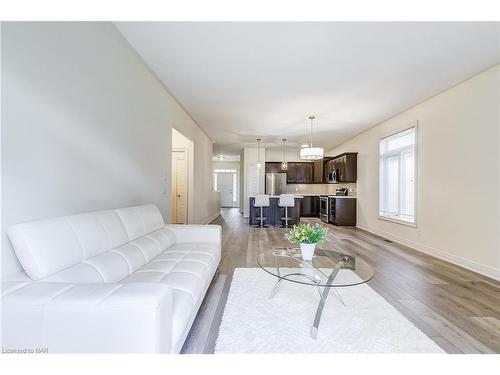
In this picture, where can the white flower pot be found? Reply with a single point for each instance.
(307, 250)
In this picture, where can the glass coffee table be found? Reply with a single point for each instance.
(322, 272)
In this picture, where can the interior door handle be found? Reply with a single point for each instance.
(178, 195)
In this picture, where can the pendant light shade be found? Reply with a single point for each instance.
(310, 152)
(284, 164)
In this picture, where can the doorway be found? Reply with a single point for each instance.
(226, 182)
(181, 192)
(179, 187)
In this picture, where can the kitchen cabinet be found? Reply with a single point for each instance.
(320, 170)
(317, 172)
(309, 206)
(342, 211)
(347, 166)
(299, 173)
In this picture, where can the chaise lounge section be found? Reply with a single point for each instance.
(117, 280)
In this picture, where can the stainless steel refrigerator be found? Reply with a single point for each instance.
(275, 183)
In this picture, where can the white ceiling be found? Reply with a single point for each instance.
(240, 81)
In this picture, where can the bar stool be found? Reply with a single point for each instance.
(286, 200)
(261, 201)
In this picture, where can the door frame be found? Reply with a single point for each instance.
(234, 179)
(186, 161)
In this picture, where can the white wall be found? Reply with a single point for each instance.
(277, 155)
(458, 175)
(85, 126)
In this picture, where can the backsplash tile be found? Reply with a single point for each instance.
(320, 188)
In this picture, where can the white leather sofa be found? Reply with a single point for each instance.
(108, 281)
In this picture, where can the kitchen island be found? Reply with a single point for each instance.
(274, 213)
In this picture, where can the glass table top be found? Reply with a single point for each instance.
(328, 268)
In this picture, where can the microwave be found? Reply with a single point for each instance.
(333, 176)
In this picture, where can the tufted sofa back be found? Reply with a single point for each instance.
(46, 247)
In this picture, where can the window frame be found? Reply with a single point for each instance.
(413, 224)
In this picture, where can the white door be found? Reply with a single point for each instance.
(179, 187)
(225, 185)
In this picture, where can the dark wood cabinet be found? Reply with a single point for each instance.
(309, 206)
(319, 171)
(347, 166)
(297, 173)
(342, 211)
(300, 172)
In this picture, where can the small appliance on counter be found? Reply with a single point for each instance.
(342, 192)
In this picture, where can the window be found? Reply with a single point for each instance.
(397, 177)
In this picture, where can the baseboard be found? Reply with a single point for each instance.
(459, 261)
(213, 217)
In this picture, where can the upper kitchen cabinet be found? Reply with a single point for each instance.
(320, 171)
(346, 165)
(300, 173)
(297, 172)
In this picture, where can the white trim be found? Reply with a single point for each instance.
(454, 259)
(213, 217)
(397, 221)
(416, 165)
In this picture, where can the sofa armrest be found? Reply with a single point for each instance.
(196, 233)
(87, 318)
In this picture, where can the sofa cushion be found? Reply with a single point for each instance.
(187, 268)
(118, 263)
(47, 246)
(140, 220)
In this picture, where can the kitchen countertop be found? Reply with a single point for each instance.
(342, 196)
(299, 196)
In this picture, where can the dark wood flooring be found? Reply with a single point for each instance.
(455, 307)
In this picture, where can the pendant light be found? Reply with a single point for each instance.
(258, 153)
(284, 164)
(310, 152)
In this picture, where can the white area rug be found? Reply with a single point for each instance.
(253, 323)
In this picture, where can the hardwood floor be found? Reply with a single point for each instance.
(457, 308)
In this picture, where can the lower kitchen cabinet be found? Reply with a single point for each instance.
(309, 206)
(342, 211)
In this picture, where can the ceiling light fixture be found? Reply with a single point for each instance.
(284, 164)
(310, 152)
(258, 152)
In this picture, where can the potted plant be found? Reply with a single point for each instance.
(307, 235)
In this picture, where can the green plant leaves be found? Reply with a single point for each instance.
(306, 233)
